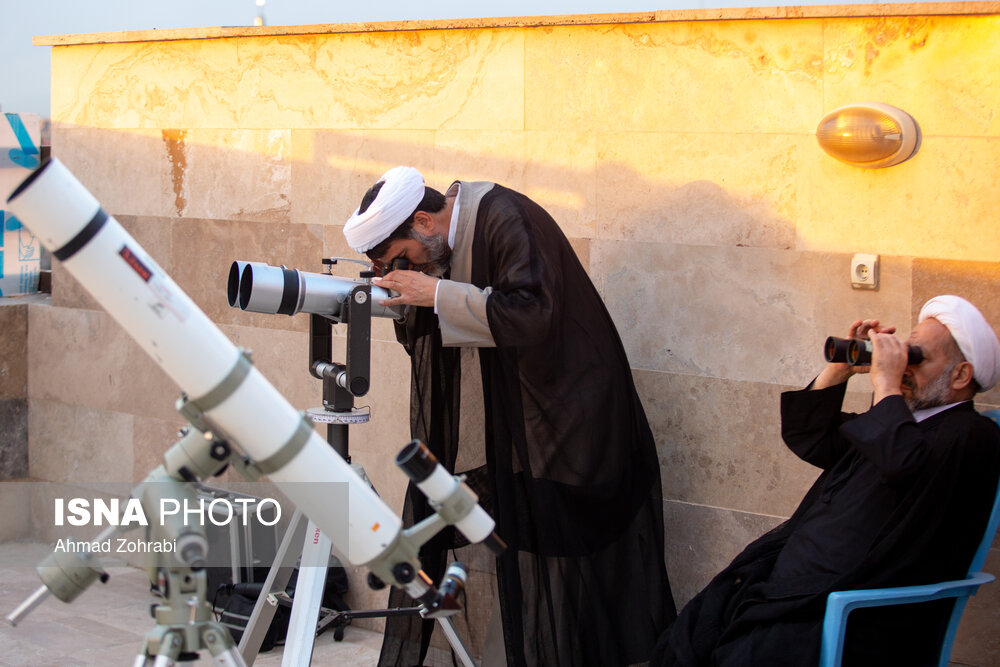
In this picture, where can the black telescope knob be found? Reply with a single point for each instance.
(368, 274)
(403, 572)
(329, 261)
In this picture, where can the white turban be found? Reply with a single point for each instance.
(402, 191)
(975, 337)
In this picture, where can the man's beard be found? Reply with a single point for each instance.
(937, 392)
(438, 253)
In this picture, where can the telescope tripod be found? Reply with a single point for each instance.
(185, 625)
(341, 384)
(184, 621)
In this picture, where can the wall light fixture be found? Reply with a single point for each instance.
(868, 134)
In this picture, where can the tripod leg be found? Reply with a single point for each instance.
(308, 597)
(220, 644)
(142, 660)
(457, 645)
(276, 581)
(169, 650)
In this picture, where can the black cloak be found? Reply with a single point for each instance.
(899, 503)
(571, 474)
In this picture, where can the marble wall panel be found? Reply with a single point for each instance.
(13, 438)
(283, 357)
(125, 170)
(83, 358)
(700, 541)
(70, 442)
(74, 356)
(154, 85)
(151, 438)
(719, 443)
(459, 79)
(479, 155)
(752, 314)
(941, 203)
(332, 169)
(979, 282)
(204, 251)
(680, 77)
(687, 188)
(231, 174)
(15, 520)
(940, 69)
(13, 350)
(152, 233)
(561, 174)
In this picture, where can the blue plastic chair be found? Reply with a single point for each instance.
(841, 603)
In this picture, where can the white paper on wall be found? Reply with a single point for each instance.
(20, 251)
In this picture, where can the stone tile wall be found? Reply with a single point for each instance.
(14, 387)
(677, 155)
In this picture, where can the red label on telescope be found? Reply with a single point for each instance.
(135, 263)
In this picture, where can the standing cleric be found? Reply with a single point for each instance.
(520, 380)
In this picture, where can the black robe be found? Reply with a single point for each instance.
(571, 474)
(899, 503)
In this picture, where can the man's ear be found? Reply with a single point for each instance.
(961, 376)
(423, 223)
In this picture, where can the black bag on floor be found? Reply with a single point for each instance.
(235, 614)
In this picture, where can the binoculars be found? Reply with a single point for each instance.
(858, 352)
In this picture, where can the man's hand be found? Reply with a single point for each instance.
(835, 374)
(889, 357)
(415, 288)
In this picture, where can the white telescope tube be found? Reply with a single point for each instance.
(196, 355)
(477, 525)
(449, 496)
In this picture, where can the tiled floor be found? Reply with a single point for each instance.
(106, 624)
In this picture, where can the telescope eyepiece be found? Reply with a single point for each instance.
(416, 461)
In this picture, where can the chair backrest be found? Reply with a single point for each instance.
(991, 526)
(974, 567)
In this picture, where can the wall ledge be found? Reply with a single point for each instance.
(662, 16)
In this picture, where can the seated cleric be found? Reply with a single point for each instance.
(904, 497)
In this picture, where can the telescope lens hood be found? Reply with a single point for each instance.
(269, 289)
(233, 285)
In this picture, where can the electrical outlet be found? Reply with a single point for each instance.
(864, 271)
